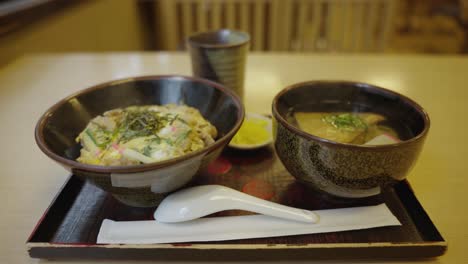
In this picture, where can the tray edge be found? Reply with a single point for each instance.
(387, 249)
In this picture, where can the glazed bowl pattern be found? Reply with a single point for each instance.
(339, 169)
(147, 184)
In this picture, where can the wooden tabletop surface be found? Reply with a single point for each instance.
(28, 86)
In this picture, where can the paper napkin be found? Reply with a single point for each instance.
(242, 227)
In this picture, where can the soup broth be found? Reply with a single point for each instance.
(349, 127)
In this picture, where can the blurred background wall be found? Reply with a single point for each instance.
(98, 25)
(391, 26)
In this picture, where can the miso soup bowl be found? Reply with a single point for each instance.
(341, 170)
(147, 184)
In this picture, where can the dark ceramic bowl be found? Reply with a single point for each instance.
(347, 170)
(139, 185)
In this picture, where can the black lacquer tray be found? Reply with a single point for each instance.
(68, 229)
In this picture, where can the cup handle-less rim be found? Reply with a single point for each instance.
(195, 40)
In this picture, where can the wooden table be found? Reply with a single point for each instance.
(29, 180)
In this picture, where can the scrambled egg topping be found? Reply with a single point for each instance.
(144, 134)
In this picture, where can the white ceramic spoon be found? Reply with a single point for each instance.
(196, 202)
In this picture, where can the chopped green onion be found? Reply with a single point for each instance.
(347, 122)
(133, 154)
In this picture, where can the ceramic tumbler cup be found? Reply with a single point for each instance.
(220, 56)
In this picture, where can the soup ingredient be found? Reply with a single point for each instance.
(144, 134)
(252, 132)
(382, 140)
(353, 128)
(346, 122)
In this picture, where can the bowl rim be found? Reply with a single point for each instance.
(74, 165)
(331, 143)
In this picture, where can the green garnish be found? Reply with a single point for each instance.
(181, 120)
(157, 140)
(147, 150)
(346, 122)
(90, 135)
(101, 139)
(183, 136)
(153, 143)
(141, 123)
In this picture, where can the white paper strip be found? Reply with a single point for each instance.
(242, 227)
(161, 181)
